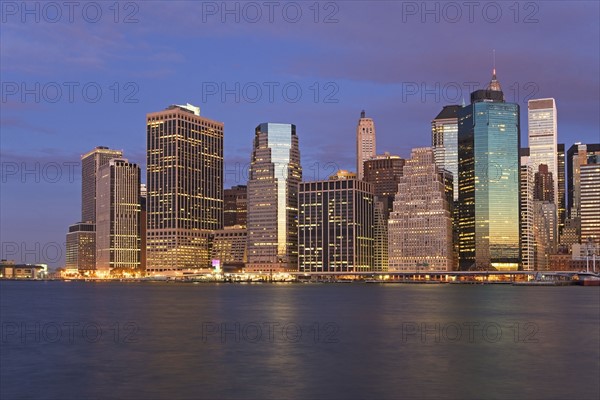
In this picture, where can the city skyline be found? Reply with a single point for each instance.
(401, 86)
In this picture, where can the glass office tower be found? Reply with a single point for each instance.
(275, 173)
(488, 169)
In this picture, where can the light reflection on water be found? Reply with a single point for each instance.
(369, 342)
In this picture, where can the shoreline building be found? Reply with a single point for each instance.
(335, 224)
(184, 188)
(81, 248)
(527, 215)
(229, 248)
(365, 143)
(118, 243)
(81, 239)
(420, 226)
(489, 174)
(272, 219)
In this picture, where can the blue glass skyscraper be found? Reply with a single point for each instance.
(488, 173)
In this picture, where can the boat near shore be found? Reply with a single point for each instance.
(587, 279)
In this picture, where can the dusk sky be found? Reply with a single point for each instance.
(389, 58)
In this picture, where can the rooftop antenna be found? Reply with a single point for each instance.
(494, 60)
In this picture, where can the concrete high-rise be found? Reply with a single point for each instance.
(384, 172)
(544, 184)
(185, 188)
(420, 226)
(527, 209)
(444, 141)
(543, 134)
(335, 225)
(488, 174)
(275, 173)
(235, 206)
(118, 242)
(577, 155)
(590, 200)
(560, 161)
(365, 143)
(81, 248)
(90, 164)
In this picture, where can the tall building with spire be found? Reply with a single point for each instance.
(488, 173)
(272, 219)
(184, 188)
(365, 143)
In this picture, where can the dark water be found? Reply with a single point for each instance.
(345, 341)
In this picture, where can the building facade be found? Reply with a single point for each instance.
(81, 248)
(384, 172)
(488, 173)
(185, 188)
(420, 226)
(444, 141)
(544, 184)
(229, 248)
(365, 143)
(527, 215)
(118, 242)
(335, 225)
(562, 215)
(275, 173)
(543, 135)
(90, 164)
(235, 206)
(590, 201)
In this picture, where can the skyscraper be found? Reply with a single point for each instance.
(335, 225)
(444, 141)
(420, 226)
(543, 147)
(185, 188)
(577, 155)
(544, 232)
(544, 184)
(488, 173)
(90, 164)
(527, 215)
(275, 173)
(560, 157)
(118, 218)
(235, 206)
(81, 238)
(384, 172)
(365, 143)
(590, 200)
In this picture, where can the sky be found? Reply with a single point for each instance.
(80, 75)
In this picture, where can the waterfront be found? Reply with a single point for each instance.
(73, 340)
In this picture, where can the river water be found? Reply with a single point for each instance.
(76, 340)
